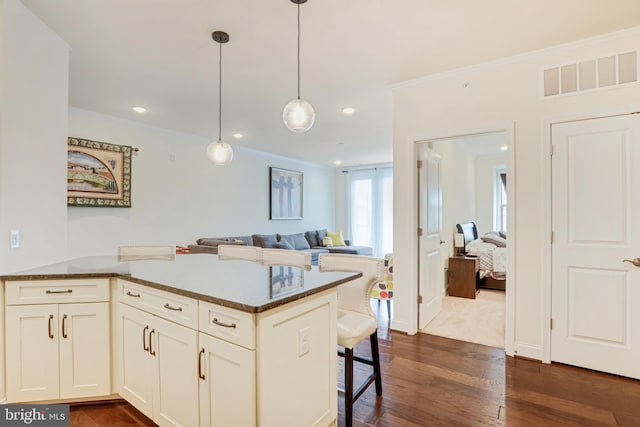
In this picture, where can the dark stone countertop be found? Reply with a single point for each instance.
(243, 285)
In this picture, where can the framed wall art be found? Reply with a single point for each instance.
(285, 195)
(98, 174)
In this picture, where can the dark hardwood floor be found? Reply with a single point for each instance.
(435, 381)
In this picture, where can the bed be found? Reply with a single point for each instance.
(491, 251)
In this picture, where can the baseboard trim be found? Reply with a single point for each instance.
(528, 351)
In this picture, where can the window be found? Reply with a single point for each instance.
(370, 209)
(500, 199)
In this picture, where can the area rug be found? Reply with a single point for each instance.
(479, 320)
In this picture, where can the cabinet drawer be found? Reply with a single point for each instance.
(228, 324)
(170, 306)
(22, 292)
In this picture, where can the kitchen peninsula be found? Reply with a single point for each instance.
(190, 340)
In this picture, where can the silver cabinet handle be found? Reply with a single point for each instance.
(50, 328)
(167, 306)
(133, 295)
(68, 291)
(635, 261)
(224, 325)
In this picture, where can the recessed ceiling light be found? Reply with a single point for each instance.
(348, 111)
(503, 147)
(238, 135)
(337, 163)
(139, 110)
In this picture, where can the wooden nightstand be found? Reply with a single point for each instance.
(463, 276)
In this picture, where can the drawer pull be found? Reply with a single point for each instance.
(200, 374)
(129, 293)
(68, 291)
(224, 325)
(167, 306)
(64, 326)
(50, 332)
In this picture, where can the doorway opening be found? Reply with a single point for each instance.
(463, 210)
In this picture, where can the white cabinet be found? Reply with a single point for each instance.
(58, 350)
(158, 371)
(226, 366)
(227, 383)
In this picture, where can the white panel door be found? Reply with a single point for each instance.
(227, 383)
(174, 351)
(32, 352)
(595, 211)
(431, 275)
(136, 368)
(85, 368)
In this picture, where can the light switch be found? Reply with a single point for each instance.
(14, 239)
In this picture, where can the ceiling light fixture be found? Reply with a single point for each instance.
(139, 110)
(348, 110)
(238, 135)
(298, 115)
(220, 152)
(503, 147)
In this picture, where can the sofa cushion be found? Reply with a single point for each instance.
(297, 240)
(215, 241)
(264, 240)
(353, 250)
(284, 244)
(314, 254)
(322, 233)
(312, 238)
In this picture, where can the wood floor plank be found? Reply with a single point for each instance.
(434, 381)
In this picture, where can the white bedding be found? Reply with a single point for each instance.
(493, 260)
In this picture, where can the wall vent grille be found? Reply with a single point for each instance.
(589, 75)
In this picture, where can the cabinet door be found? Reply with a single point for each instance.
(175, 353)
(84, 350)
(135, 362)
(32, 352)
(227, 392)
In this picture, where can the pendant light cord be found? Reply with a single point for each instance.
(298, 50)
(220, 95)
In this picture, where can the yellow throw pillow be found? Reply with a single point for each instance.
(336, 238)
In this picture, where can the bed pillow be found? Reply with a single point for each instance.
(495, 239)
(336, 238)
(503, 234)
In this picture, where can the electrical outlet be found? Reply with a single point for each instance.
(14, 239)
(303, 341)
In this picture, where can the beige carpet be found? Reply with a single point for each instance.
(479, 320)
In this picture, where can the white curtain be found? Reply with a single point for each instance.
(370, 209)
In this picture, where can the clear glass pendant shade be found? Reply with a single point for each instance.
(298, 115)
(220, 153)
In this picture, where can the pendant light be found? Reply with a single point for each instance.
(298, 114)
(220, 152)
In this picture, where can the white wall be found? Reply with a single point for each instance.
(33, 138)
(492, 97)
(178, 195)
(485, 187)
(458, 188)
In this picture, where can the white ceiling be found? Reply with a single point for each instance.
(159, 54)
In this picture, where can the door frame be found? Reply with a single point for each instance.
(548, 210)
(509, 129)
